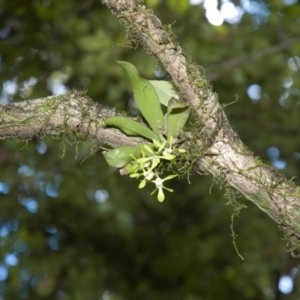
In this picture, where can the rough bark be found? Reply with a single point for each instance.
(215, 147)
(73, 113)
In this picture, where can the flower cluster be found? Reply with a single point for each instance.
(146, 167)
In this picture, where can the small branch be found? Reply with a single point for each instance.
(230, 64)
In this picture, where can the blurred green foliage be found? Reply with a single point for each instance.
(80, 230)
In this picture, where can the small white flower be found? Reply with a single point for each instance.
(159, 186)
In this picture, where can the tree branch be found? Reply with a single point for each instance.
(222, 153)
(73, 113)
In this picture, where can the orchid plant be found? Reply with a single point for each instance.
(144, 162)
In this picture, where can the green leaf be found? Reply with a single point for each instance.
(164, 90)
(120, 157)
(146, 98)
(131, 127)
(176, 117)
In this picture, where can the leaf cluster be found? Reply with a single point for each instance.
(162, 131)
